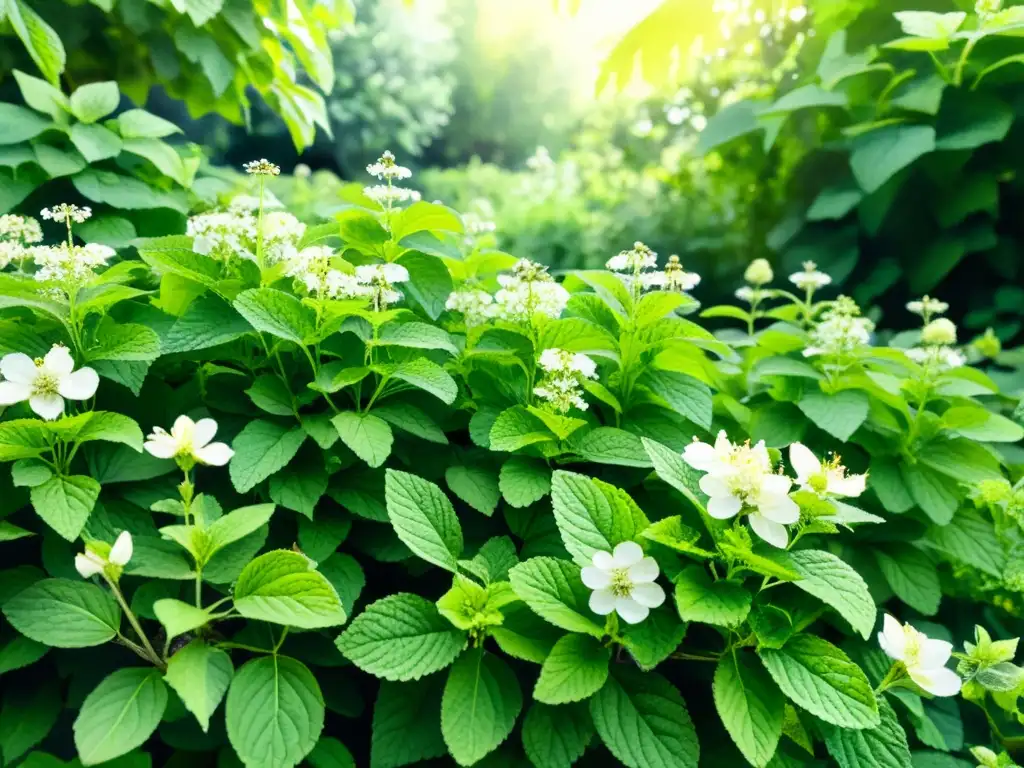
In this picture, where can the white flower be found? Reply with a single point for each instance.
(564, 373)
(674, 278)
(527, 291)
(66, 212)
(746, 293)
(91, 563)
(19, 229)
(940, 332)
(623, 581)
(247, 203)
(940, 358)
(810, 279)
(385, 195)
(740, 477)
(841, 331)
(386, 168)
(69, 266)
(45, 382)
(824, 478)
(11, 251)
(224, 235)
(475, 305)
(639, 258)
(924, 658)
(391, 273)
(759, 272)
(926, 306)
(189, 441)
(262, 167)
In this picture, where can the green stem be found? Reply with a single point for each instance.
(958, 76)
(243, 647)
(280, 641)
(151, 653)
(199, 587)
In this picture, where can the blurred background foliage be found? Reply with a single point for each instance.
(719, 130)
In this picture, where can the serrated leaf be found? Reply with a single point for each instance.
(722, 602)
(424, 519)
(284, 587)
(179, 617)
(835, 583)
(367, 436)
(200, 675)
(64, 613)
(261, 449)
(575, 669)
(553, 590)
(523, 481)
(750, 704)
(407, 724)
(480, 704)
(593, 516)
(840, 414)
(401, 637)
(912, 576)
(65, 503)
(684, 394)
(884, 746)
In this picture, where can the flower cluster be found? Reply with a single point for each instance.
(623, 581)
(224, 235)
(386, 169)
(17, 233)
(101, 558)
(45, 382)
(377, 281)
(67, 212)
(923, 658)
(475, 305)
(262, 167)
(639, 258)
(740, 478)
(69, 266)
(810, 279)
(529, 290)
(936, 352)
(562, 385)
(673, 278)
(188, 443)
(633, 266)
(841, 330)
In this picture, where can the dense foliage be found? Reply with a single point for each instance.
(405, 496)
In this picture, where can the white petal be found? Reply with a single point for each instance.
(700, 456)
(892, 638)
(851, 485)
(938, 682)
(12, 392)
(59, 361)
(769, 530)
(162, 446)
(760, 451)
(203, 432)
(646, 570)
(804, 462)
(19, 368)
(48, 407)
(627, 553)
(723, 447)
(183, 428)
(780, 509)
(121, 552)
(714, 485)
(87, 565)
(603, 560)
(602, 602)
(595, 578)
(630, 610)
(934, 653)
(775, 485)
(724, 507)
(650, 595)
(80, 385)
(214, 455)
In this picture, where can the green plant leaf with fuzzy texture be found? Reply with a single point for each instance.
(480, 705)
(575, 669)
(750, 704)
(424, 519)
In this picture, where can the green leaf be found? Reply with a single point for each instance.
(574, 334)
(330, 753)
(275, 712)
(430, 377)
(885, 480)
(912, 576)
(208, 322)
(401, 637)
(284, 587)
(345, 574)
(261, 449)
(19, 124)
(58, 163)
(125, 341)
(698, 598)
(684, 394)
(320, 538)
(936, 496)
(200, 675)
(125, 192)
(475, 485)
(835, 583)
(42, 96)
(750, 704)
(269, 393)
(561, 426)
(162, 155)
(610, 445)
(95, 143)
(523, 481)
(516, 428)
(99, 425)
(593, 516)
(40, 40)
(480, 704)
(575, 669)
(120, 714)
(981, 424)
(969, 539)
(729, 123)
(424, 519)
(140, 124)
(677, 473)
(881, 153)
(411, 419)
(65, 503)
(673, 533)
(367, 436)
(275, 312)
(178, 617)
(556, 737)
(424, 216)
(300, 488)
(416, 336)
(654, 639)
(429, 283)
(12, 532)
(840, 414)
(820, 678)
(406, 725)
(236, 525)
(962, 460)
(553, 590)
(28, 715)
(643, 721)
(95, 100)
(884, 746)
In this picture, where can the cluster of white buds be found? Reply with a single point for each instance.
(281, 235)
(810, 279)
(67, 267)
(224, 235)
(841, 330)
(673, 278)
(564, 372)
(936, 351)
(67, 212)
(377, 281)
(386, 195)
(387, 168)
(635, 260)
(475, 305)
(17, 234)
(251, 203)
(262, 167)
(312, 267)
(529, 290)
(757, 275)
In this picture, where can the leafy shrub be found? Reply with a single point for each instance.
(910, 163)
(397, 454)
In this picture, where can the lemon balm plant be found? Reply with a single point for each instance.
(404, 497)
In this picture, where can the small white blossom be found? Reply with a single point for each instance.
(379, 279)
(10, 251)
(824, 478)
(479, 219)
(387, 168)
(91, 563)
(746, 293)
(759, 272)
(529, 290)
(224, 235)
(924, 658)
(475, 305)
(45, 382)
(640, 257)
(560, 361)
(262, 167)
(740, 477)
(562, 385)
(19, 229)
(188, 443)
(938, 358)
(69, 266)
(65, 212)
(387, 196)
(841, 331)
(810, 279)
(926, 307)
(251, 203)
(623, 581)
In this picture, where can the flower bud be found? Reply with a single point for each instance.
(759, 272)
(939, 332)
